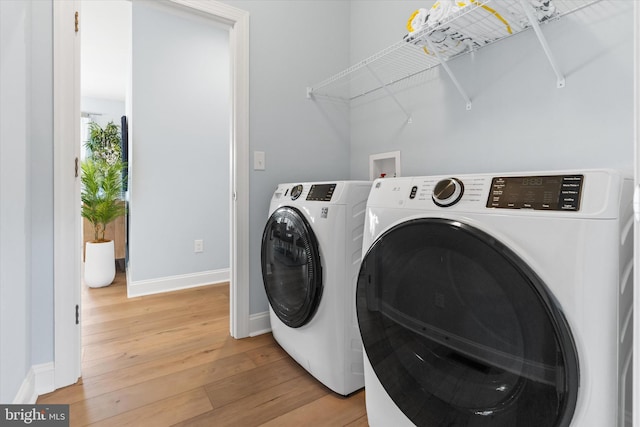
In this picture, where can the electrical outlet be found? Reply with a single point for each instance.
(198, 246)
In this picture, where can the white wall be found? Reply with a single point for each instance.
(15, 352)
(179, 164)
(519, 119)
(105, 110)
(26, 194)
(293, 44)
(40, 116)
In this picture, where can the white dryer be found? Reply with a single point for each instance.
(311, 253)
(498, 300)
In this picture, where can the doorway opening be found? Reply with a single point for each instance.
(67, 111)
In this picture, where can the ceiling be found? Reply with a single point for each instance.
(105, 27)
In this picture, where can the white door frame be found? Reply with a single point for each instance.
(67, 243)
(636, 207)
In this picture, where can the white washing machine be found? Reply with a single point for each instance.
(311, 253)
(498, 300)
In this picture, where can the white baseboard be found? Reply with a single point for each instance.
(259, 324)
(174, 283)
(39, 380)
(45, 378)
(27, 393)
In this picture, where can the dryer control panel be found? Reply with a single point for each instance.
(551, 192)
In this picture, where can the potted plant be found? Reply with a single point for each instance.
(101, 192)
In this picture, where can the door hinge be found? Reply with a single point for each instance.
(76, 167)
(77, 314)
(77, 21)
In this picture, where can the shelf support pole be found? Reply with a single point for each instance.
(389, 92)
(450, 73)
(543, 42)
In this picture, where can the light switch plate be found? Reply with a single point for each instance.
(258, 160)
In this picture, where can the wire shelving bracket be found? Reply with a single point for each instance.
(404, 61)
(543, 42)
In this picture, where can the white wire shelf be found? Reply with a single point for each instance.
(481, 22)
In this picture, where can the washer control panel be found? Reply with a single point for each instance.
(321, 192)
(552, 192)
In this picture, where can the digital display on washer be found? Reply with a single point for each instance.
(321, 192)
(555, 193)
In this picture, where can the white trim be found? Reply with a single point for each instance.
(260, 324)
(27, 393)
(635, 409)
(175, 283)
(239, 302)
(45, 377)
(39, 380)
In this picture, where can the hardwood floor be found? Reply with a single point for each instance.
(168, 359)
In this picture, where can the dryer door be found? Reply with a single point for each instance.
(291, 269)
(461, 332)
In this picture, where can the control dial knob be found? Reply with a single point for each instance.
(296, 191)
(447, 192)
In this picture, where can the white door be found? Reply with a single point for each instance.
(66, 191)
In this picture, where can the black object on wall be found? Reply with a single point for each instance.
(124, 149)
(124, 141)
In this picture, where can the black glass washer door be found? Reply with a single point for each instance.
(461, 332)
(291, 268)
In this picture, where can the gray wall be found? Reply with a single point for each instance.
(519, 119)
(179, 144)
(26, 202)
(293, 44)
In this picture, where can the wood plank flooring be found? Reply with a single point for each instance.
(168, 360)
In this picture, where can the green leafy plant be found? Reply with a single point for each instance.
(100, 194)
(104, 143)
(102, 178)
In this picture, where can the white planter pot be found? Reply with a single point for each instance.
(99, 264)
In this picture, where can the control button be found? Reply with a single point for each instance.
(447, 192)
(296, 191)
(414, 191)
